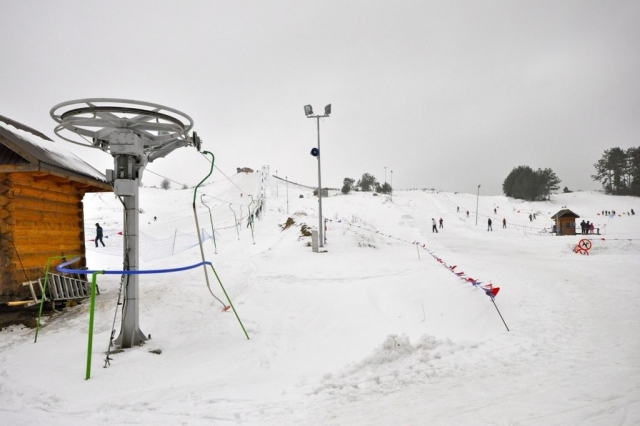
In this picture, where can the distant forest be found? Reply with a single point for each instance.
(618, 171)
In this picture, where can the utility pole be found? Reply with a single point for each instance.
(308, 110)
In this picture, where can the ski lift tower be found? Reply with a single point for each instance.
(134, 133)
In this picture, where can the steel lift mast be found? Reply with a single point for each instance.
(135, 133)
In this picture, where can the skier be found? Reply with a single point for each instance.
(489, 225)
(99, 235)
(441, 221)
(434, 228)
(504, 222)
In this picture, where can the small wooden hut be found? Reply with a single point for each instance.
(565, 222)
(41, 190)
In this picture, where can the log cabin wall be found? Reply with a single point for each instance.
(41, 216)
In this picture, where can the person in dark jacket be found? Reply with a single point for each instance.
(489, 228)
(99, 235)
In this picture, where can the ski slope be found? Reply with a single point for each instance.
(374, 331)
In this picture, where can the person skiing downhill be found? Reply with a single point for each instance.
(441, 222)
(434, 228)
(489, 225)
(99, 235)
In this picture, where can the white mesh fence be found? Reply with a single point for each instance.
(150, 247)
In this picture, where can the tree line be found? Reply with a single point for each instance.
(619, 171)
(366, 183)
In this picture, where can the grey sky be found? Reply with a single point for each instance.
(448, 95)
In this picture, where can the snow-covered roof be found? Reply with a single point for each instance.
(565, 213)
(37, 147)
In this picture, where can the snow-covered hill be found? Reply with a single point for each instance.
(376, 331)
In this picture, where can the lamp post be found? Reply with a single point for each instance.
(308, 111)
(477, 201)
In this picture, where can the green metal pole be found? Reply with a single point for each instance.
(230, 303)
(195, 214)
(213, 231)
(44, 290)
(94, 278)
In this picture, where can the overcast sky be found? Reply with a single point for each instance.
(447, 94)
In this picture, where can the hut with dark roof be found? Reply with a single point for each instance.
(565, 221)
(41, 190)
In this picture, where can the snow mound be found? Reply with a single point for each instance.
(395, 364)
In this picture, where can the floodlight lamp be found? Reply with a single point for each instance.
(308, 110)
(327, 110)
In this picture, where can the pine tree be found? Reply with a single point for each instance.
(367, 182)
(347, 185)
(526, 184)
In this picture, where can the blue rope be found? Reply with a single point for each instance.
(61, 268)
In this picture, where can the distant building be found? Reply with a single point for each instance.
(41, 190)
(565, 222)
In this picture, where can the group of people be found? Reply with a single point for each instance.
(613, 213)
(587, 227)
(434, 227)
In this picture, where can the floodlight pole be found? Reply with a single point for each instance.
(309, 114)
(477, 203)
(320, 227)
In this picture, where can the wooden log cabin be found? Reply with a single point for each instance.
(565, 222)
(41, 190)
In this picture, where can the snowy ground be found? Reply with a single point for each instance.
(373, 332)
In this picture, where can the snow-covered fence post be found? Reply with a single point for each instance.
(175, 235)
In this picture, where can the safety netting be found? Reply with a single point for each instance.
(150, 247)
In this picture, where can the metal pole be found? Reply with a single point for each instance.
(130, 333)
(385, 175)
(287, 180)
(477, 201)
(175, 235)
(494, 304)
(277, 184)
(391, 195)
(320, 227)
